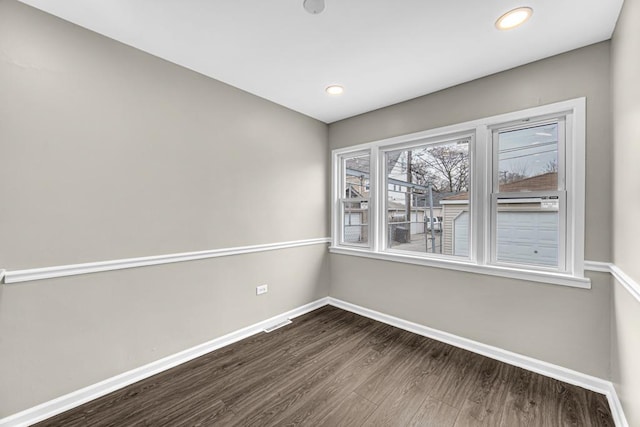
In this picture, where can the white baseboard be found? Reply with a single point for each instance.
(76, 398)
(616, 407)
(550, 370)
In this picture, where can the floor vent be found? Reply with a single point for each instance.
(277, 326)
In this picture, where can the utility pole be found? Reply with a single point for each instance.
(433, 238)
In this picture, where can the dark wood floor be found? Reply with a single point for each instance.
(334, 368)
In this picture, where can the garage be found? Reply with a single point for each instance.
(461, 234)
(352, 227)
(529, 237)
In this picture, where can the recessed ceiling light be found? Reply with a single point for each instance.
(313, 6)
(334, 90)
(514, 18)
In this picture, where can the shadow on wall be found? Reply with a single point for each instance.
(625, 348)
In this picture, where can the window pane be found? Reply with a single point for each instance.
(528, 159)
(356, 180)
(427, 189)
(356, 222)
(355, 199)
(528, 231)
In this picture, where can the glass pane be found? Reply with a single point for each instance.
(528, 231)
(356, 222)
(528, 159)
(427, 190)
(356, 182)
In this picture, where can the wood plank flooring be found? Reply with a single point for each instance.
(335, 368)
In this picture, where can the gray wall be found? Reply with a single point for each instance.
(625, 351)
(626, 205)
(552, 323)
(109, 153)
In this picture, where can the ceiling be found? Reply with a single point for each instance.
(381, 51)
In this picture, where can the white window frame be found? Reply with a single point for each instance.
(481, 257)
(383, 196)
(340, 200)
(560, 192)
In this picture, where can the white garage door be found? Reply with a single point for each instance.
(528, 237)
(417, 226)
(523, 237)
(461, 234)
(352, 228)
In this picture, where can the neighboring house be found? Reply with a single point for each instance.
(356, 214)
(527, 227)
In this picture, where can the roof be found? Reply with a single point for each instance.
(437, 196)
(545, 181)
(534, 183)
(459, 196)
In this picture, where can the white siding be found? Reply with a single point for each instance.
(461, 234)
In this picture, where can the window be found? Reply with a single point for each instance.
(528, 195)
(502, 195)
(354, 199)
(418, 179)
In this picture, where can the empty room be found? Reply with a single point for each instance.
(319, 213)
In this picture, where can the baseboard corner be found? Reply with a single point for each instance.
(560, 373)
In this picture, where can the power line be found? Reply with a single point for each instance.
(528, 155)
(527, 147)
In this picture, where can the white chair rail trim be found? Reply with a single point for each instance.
(621, 277)
(17, 276)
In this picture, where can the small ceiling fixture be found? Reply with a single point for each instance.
(313, 6)
(514, 18)
(334, 90)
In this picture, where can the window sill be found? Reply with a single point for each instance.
(513, 273)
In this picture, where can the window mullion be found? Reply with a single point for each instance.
(376, 197)
(480, 185)
(511, 211)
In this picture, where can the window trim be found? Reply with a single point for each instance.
(435, 140)
(561, 192)
(480, 243)
(340, 201)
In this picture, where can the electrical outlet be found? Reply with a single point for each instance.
(262, 289)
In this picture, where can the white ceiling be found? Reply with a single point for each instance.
(381, 51)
